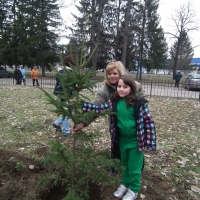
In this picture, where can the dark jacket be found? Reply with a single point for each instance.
(146, 133)
(18, 75)
(178, 76)
(58, 87)
(104, 94)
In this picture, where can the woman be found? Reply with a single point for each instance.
(34, 75)
(114, 70)
(18, 76)
(23, 74)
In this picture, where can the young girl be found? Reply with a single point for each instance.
(133, 129)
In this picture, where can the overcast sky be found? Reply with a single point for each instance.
(166, 9)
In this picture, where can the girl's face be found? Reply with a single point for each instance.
(122, 89)
(113, 76)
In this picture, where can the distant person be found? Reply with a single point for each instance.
(177, 78)
(132, 129)
(34, 76)
(63, 125)
(23, 74)
(18, 76)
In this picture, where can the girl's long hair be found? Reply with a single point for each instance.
(131, 97)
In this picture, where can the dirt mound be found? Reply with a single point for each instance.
(20, 174)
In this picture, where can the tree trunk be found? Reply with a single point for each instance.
(125, 36)
(117, 29)
(95, 29)
(142, 42)
(176, 57)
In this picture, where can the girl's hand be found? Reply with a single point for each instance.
(77, 128)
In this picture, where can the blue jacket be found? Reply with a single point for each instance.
(23, 72)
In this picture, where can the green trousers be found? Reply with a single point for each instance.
(132, 161)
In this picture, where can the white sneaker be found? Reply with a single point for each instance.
(121, 191)
(130, 195)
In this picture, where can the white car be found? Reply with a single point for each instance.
(192, 82)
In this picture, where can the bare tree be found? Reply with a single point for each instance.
(125, 36)
(185, 54)
(184, 21)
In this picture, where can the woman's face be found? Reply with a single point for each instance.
(122, 89)
(113, 76)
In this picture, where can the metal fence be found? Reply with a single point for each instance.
(166, 88)
(151, 88)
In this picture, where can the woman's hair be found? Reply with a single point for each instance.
(129, 81)
(114, 64)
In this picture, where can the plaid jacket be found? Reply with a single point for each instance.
(146, 133)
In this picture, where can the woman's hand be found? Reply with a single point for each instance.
(77, 128)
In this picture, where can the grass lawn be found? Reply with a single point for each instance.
(172, 172)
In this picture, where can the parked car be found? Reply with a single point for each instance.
(5, 74)
(192, 82)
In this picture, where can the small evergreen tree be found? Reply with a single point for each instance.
(78, 164)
